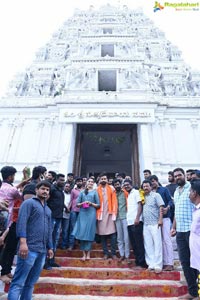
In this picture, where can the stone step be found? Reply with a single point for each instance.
(87, 297)
(94, 262)
(142, 288)
(98, 262)
(108, 273)
(98, 253)
(95, 246)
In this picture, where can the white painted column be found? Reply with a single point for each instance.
(145, 148)
(10, 134)
(168, 140)
(54, 130)
(38, 145)
(67, 147)
(17, 141)
(3, 129)
(174, 157)
(196, 144)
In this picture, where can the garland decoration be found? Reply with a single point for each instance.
(142, 196)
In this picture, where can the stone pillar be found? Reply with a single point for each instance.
(39, 138)
(145, 147)
(67, 147)
(52, 139)
(164, 153)
(174, 158)
(17, 141)
(196, 144)
(3, 145)
(10, 134)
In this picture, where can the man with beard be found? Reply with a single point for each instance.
(189, 174)
(181, 227)
(195, 229)
(35, 238)
(171, 188)
(70, 180)
(51, 176)
(56, 204)
(121, 221)
(153, 215)
(153, 220)
(168, 255)
(106, 216)
(172, 183)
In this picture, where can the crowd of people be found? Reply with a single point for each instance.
(47, 211)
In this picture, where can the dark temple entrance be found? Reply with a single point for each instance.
(107, 147)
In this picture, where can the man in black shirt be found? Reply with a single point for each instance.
(172, 183)
(56, 204)
(37, 175)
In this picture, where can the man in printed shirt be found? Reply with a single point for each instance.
(168, 254)
(11, 194)
(8, 191)
(153, 220)
(181, 227)
(195, 228)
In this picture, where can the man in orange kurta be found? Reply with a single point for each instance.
(106, 216)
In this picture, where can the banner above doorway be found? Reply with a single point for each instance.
(108, 115)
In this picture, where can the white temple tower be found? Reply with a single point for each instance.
(107, 93)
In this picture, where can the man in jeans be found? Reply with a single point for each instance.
(56, 204)
(34, 230)
(181, 227)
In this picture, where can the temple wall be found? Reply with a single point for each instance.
(165, 145)
(31, 142)
(38, 137)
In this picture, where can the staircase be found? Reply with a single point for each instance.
(101, 279)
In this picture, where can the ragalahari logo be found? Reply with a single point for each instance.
(157, 6)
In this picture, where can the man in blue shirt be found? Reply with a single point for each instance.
(34, 230)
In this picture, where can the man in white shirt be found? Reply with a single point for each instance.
(135, 223)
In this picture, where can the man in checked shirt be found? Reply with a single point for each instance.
(181, 228)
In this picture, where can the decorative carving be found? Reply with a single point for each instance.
(80, 79)
(172, 123)
(161, 121)
(194, 123)
(56, 68)
(41, 123)
(11, 123)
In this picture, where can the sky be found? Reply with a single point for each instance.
(27, 25)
